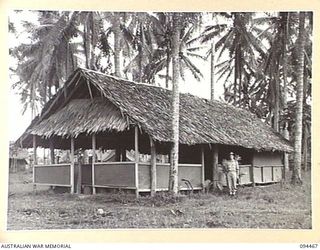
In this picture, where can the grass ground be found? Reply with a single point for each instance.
(272, 206)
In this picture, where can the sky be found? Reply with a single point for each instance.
(18, 122)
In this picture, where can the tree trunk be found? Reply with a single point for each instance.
(296, 175)
(237, 59)
(167, 68)
(140, 51)
(173, 179)
(285, 84)
(305, 148)
(285, 63)
(235, 83)
(286, 155)
(212, 70)
(86, 46)
(215, 161)
(117, 45)
(305, 124)
(93, 41)
(276, 110)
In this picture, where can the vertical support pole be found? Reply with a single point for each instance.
(262, 174)
(72, 165)
(79, 179)
(123, 154)
(100, 154)
(118, 154)
(34, 144)
(272, 174)
(215, 176)
(202, 168)
(93, 162)
(51, 151)
(136, 165)
(252, 175)
(153, 167)
(44, 156)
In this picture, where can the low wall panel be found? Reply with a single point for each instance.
(115, 175)
(267, 174)
(191, 173)
(86, 174)
(245, 176)
(163, 176)
(257, 174)
(277, 173)
(144, 176)
(52, 174)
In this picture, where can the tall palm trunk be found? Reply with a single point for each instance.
(305, 148)
(296, 175)
(235, 82)
(276, 109)
(117, 45)
(285, 61)
(173, 179)
(237, 60)
(93, 41)
(285, 82)
(140, 51)
(86, 45)
(305, 124)
(212, 70)
(168, 68)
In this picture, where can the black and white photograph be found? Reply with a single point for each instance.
(159, 120)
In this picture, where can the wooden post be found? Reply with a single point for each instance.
(215, 176)
(34, 144)
(79, 179)
(100, 154)
(212, 69)
(136, 165)
(118, 154)
(93, 161)
(153, 167)
(252, 175)
(202, 168)
(123, 154)
(72, 165)
(44, 156)
(51, 151)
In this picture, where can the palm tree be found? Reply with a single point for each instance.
(240, 43)
(142, 42)
(178, 22)
(123, 26)
(274, 65)
(162, 55)
(173, 177)
(296, 174)
(42, 64)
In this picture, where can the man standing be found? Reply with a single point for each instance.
(233, 171)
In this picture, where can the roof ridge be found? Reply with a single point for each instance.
(122, 79)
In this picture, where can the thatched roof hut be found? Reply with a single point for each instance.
(93, 103)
